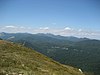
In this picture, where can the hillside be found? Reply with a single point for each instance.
(18, 59)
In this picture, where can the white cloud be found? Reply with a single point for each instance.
(10, 26)
(67, 28)
(22, 27)
(44, 28)
(80, 30)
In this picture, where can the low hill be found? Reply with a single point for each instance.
(16, 59)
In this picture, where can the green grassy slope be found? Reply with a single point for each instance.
(15, 58)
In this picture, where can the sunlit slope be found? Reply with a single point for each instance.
(15, 58)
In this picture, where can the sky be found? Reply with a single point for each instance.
(79, 18)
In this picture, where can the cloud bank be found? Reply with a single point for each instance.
(67, 31)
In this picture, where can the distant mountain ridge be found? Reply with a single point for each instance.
(68, 38)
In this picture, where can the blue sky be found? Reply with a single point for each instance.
(64, 17)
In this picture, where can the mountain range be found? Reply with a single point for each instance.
(82, 53)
